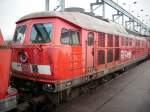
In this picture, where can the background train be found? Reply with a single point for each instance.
(8, 94)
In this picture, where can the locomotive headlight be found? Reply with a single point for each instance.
(23, 56)
(49, 87)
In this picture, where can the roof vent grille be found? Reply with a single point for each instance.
(74, 9)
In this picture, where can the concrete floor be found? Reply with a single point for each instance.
(130, 92)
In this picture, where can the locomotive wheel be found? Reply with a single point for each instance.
(43, 107)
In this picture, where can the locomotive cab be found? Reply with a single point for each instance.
(43, 51)
(31, 41)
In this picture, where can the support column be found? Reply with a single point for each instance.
(122, 20)
(62, 5)
(46, 5)
(103, 11)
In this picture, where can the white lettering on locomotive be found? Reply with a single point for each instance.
(125, 54)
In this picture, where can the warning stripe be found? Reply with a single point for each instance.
(41, 69)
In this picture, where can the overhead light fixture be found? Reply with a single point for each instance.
(124, 3)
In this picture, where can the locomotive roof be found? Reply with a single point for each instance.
(84, 21)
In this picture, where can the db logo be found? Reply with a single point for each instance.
(23, 56)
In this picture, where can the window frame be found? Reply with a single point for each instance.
(14, 40)
(122, 41)
(71, 40)
(90, 32)
(130, 42)
(110, 59)
(116, 41)
(79, 37)
(101, 57)
(110, 40)
(117, 54)
(126, 41)
(100, 43)
(51, 37)
(61, 37)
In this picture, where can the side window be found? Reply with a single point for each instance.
(101, 57)
(117, 54)
(110, 40)
(110, 55)
(101, 39)
(70, 37)
(122, 41)
(130, 42)
(90, 38)
(126, 41)
(116, 41)
(65, 36)
(75, 36)
(20, 34)
(136, 43)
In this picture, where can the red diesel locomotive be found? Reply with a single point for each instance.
(56, 51)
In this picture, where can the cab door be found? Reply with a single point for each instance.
(89, 53)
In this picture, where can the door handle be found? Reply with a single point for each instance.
(93, 51)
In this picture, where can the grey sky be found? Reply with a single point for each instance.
(12, 10)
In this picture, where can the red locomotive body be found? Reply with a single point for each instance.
(60, 50)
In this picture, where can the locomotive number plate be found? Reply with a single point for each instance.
(26, 68)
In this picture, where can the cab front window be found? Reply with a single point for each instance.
(20, 34)
(41, 33)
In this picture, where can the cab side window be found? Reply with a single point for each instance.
(20, 34)
(70, 37)
(75, 37)
(90, 38)
(65, 36)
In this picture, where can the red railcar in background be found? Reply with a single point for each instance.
(56, 51)
(7, 94)
(1, 38)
